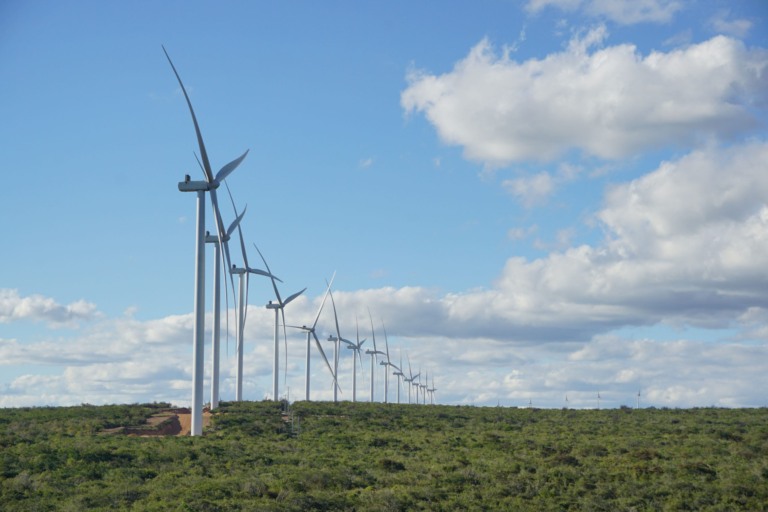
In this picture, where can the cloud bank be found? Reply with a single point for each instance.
(607, 102)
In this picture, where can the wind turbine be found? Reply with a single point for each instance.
(215, 338)
(312, 334)
(410, 379)
(638, 399)
(355, 347)
(210, 185)
(373, 353)
(385, 364)
(279, 308)
(398, 373)
(432, 391)
(243, 274)
(423, 388)
(337, 342)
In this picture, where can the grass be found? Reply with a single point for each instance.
(325, 456)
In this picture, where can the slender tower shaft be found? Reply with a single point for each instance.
(240, 334)
(215, 338)
(354, 376)
(306, 379)
(276, 360)
(372, 358)
(198, 347)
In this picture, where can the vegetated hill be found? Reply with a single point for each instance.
(325, 456)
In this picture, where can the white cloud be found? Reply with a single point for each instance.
(685, 245)
(530, 190)
(14, 307)
(623, 12)
(607, 102)
(723, 23)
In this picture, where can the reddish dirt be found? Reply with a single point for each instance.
(173, 422)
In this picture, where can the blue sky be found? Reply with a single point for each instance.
(538, 199)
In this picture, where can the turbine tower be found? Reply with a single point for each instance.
(243, 274)
(336, 345)
(398, 373)
(373, 353)
(387, 364)
(279, 308)
(411, 378)
(216, 334)
(210, 185)
(312, 334)
(355, 347)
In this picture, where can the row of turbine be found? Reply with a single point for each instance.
(220, 241)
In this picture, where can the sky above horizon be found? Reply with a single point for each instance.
(539, 199)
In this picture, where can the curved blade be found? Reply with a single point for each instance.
(271, 277)
(291, 297)
(239, 229)
(327, 364)
(236, 222)
(320, 309)
(262, 273)
(335, 317)
(203, 152)
(386, 341)
(373, 335)
(231, 166)
(224, 247)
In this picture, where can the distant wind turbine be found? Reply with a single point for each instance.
(279, 308)
(337, 345)
(386, 364)
(216, 333)
(355, 347)
(398, 373)
(243, 284)
(411, 378)
(312, 334)
(210, 185)
(373, 353)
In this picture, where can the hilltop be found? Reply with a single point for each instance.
(325, 456)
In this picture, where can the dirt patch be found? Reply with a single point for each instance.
(171, 422)
(185, 420)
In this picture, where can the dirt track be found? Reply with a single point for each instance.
(186, 422)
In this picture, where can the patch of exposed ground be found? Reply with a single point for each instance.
(171, 422)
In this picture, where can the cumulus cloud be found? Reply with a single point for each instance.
(623, 12)
(608, 102)
(14, 307)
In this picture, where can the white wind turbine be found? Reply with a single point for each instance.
(355, 347)
(216, 334)
(410, 379)
(432, 391)
(373, 353)
(337, 344)
(387, 364)
(423, 388)
(243, 274)
(312, 334)
(398, 373)
(210, 185)
(279, 308)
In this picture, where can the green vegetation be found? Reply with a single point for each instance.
(325, 456)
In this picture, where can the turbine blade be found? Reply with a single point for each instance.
(291, 297)
(335, 317)
(373, 333)
(236, 222)
(203, 152)
(231, 166)
(320, 309)
(322, 352)
(386, 341)
(262, 273)
(271, 277)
